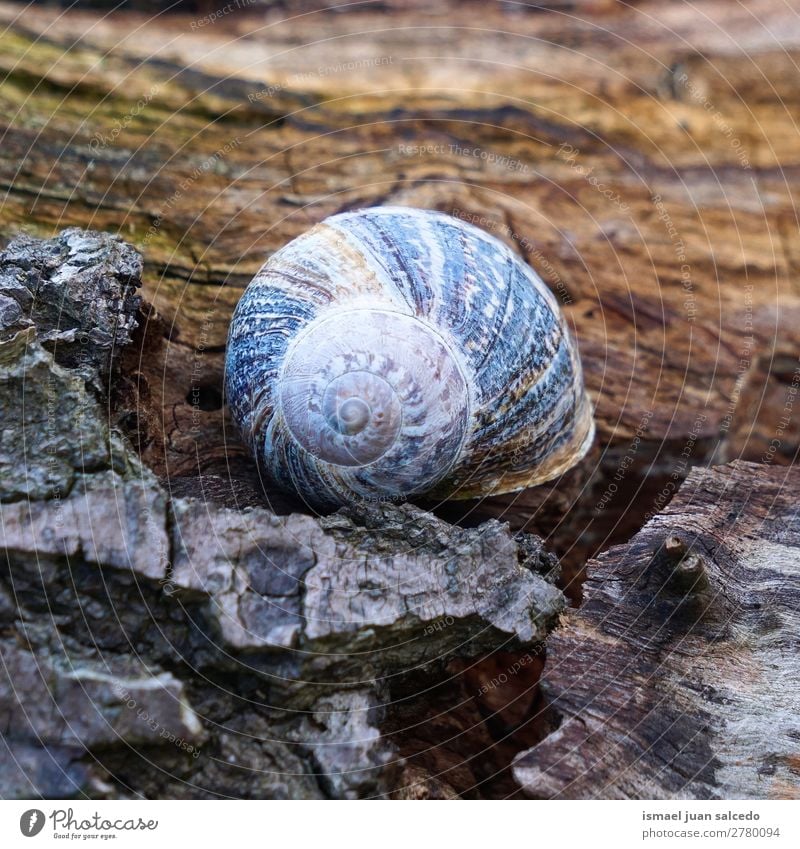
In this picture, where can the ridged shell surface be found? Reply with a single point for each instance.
(392, 352)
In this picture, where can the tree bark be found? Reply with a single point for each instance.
(677, 677)
(306, 625)
(639, 166)
(623, 152)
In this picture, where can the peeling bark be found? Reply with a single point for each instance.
(671, 275)
(119, 601)
(678, 677)
(136, 527)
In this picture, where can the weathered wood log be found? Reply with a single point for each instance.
(644, 683)
(624, 152)
(641, 167)
(678, 677)
(121, 602)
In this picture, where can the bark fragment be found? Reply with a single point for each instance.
(120, 604)
(678, 676)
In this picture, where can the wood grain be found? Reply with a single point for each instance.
(641, 160)
(677, 678)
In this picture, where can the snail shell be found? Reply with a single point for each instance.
(392, 352)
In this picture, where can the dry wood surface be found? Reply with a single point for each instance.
(642, 158)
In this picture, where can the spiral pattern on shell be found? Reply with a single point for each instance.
(392, 352)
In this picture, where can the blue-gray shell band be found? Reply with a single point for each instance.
(392, 352)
